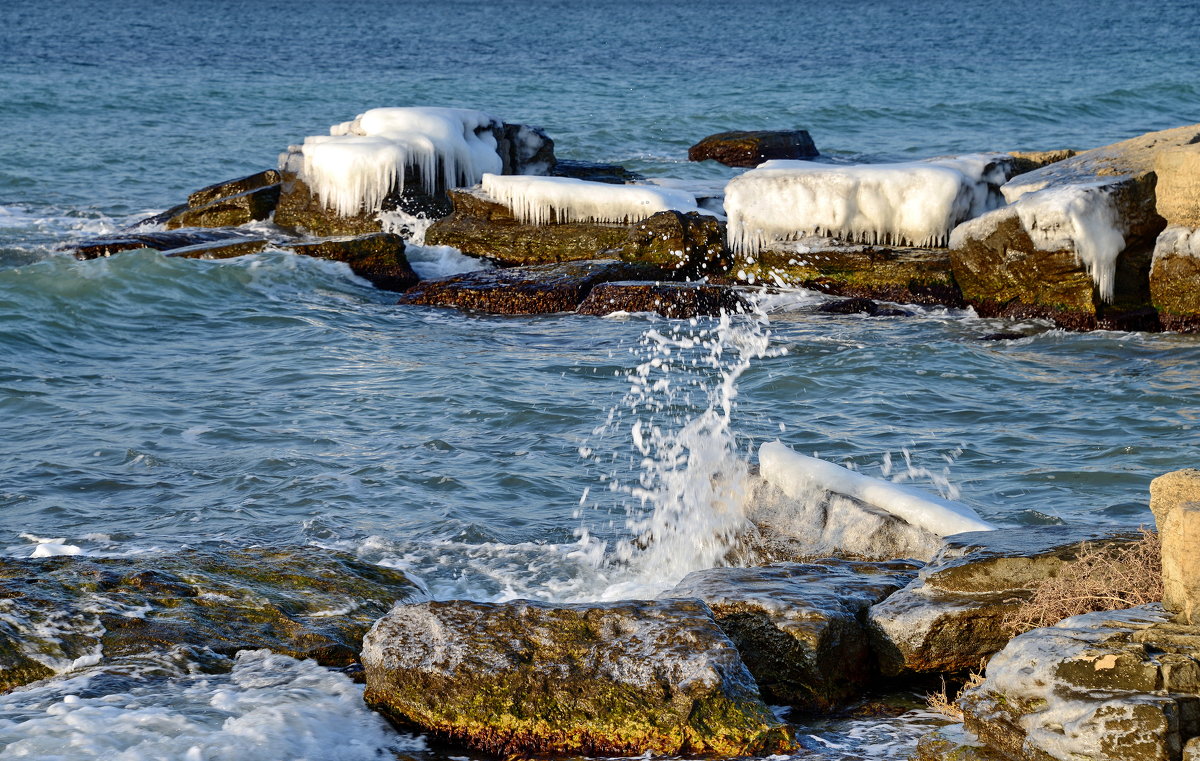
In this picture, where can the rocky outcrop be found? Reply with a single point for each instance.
(1075, 242)
(378, 258)
(1175, 501)
(1177, 193)
(1108, 686)
(220, 249)
(951, 616)
(594, 172)
(1027, 161)
(159, 241)
(859, 305)
(523, 677)
(542, 289)
(1175, 272)
(304, 602)
(801, 627)
(901, 275)
(751, 148)
(257, 181)
(1173, 490)
(230, 211)
(678, 301)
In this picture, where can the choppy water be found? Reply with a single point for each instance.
(147, 403)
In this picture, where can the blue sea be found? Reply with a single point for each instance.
(149, 404)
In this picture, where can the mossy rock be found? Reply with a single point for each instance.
(378, 258)
(168, 240)
(229, 211)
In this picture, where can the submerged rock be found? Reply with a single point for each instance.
(542, 289)
(950, 617)
(378, 258)
(751, 148)
(221, 249)
(593, 172)
(859, 305)
(303, 602)
(674, 300)
(616, 679)
(159, 241)
(801, 627)
(1108, 686)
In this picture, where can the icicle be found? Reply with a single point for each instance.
(543, 200)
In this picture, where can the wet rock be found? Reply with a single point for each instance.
(953, 743)
(541, 289)
(378, 258)
(1108, 686)
(229, 211)
(950, 617)
(300, 211)
(257, 181)
(593, 172)
(900, 275)
(689, 245)
(674, 300)
(1002, 336)
(751, 148)
(1024, 260)
(159, 241)
(800, 627)
(1027, 161)
(220, 249)
(1177, 193)
(523, 677)
(858, 305)
(303, 602)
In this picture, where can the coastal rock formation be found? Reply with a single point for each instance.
(618, 679)
(378, 258)
(541, 289)
(1177, 194)
(303, 602)
(1175, 501)
(1175, 271)
(159, 241)
(1075, 242)
(220, 249)
(593, 172)
(675, 300)
(231, 203)
(801, 627)
(1107, 686)
(859, 305)
(751, 148)
(1027, 161)
(950, 617)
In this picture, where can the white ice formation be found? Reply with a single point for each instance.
(796, 474)
(359, 162)
(1178, 241)
(916, 203)
(543, 200)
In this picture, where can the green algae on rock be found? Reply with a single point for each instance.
(378, 258)
(597, 679)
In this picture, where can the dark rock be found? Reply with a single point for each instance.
(800, 627)
(689, 245)
(207, 195)
(586, 170)
(378, 258)
(159, 241)
(674, 300)
(618, 679)
(853, 305)
(159, 218)
(303, 602)
(1027, 161)
(221, 249)
(950, 617)
(541, 289)
(1108, 686)
(752, 148)
(1002, 336)
(524, 149)
(229, 211)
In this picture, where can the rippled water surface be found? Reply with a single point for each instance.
(148, 404)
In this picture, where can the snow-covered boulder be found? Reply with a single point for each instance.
(617, 679)
(1074, 242)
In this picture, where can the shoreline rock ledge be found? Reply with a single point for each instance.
(617, 679)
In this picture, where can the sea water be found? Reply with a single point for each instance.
(148, 404)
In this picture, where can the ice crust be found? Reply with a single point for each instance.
(543, 200)
(916, 203)
(796, 474)
(361, 161)
(1178, 241)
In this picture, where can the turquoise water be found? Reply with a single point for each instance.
(147, 404)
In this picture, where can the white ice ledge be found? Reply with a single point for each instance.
(796, 474)
(543, 200)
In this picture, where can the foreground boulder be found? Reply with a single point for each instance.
(231, 203)
(801, 627)
(523, 677)
(303, 602)
(1175, 501)
(952, 615)
(1075, 242)
(751, 148)
(1108, 686)
(674, 300)
(543, 289)
(1175, 271)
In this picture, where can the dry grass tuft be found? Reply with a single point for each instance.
(1108, 577)
(941, 702)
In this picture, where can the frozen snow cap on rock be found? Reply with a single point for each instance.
(796, 474)
(915, 203)
(542, 200)
(359, 162)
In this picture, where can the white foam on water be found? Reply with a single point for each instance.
(269, 707)
(543, 200)
(431, 262)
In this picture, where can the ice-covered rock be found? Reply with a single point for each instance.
(619, 679)
(1108, 686)
(678, 301)
(550, 200)
(1175, 271)
(949, 618)
(800, 627)
(751, 148)
(910, 204)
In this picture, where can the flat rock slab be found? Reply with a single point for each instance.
(542, 289)
(221, 249)
(159, 241)
(1108, 686)
(674, 300)
(523, 677)
(303, 602)
(751, 148)
(229, 211)
(950, 617)
(801, 627)
(378, 258)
